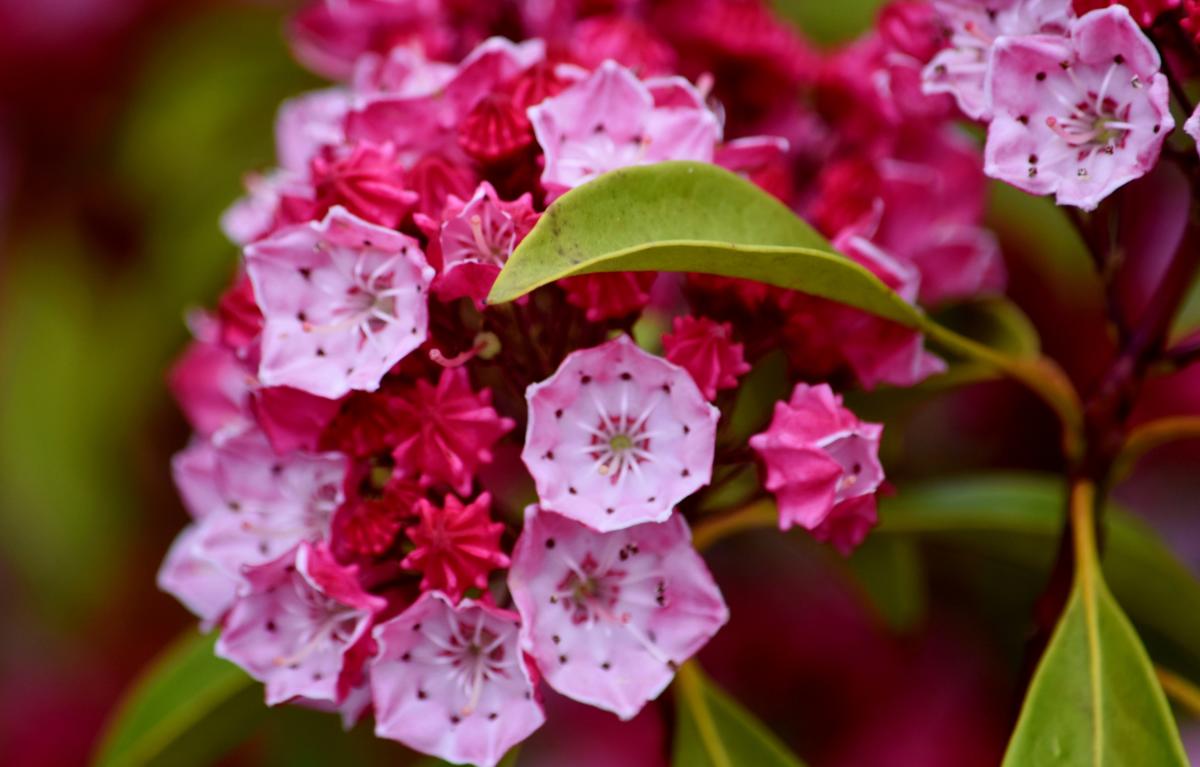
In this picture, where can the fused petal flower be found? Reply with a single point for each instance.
(1192, 127)
(456, 546)
(210, 384)
(973, 27)
(608, 617)
(194, 579)
(610, 295)
(257, 504)
(452, 681)
(618, 436)
(445, 432)
(292, 419)
(296, 626)
(344, 301)
(477, 241)
(610, 120)
(822, 465)
(1077, 117)
(307, 124)
(705, 349)
(367, 180)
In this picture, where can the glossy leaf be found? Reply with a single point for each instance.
(189, 707)
(890, 572)
(1095, 699)
(713, 730)
(696, 217)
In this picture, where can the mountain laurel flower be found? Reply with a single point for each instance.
(451, 681)
(1077, 117)
(477, 240)
(444, 432)
(822, 465)
(297, 625)
(344, 300)
(258, 504)
(618, 436)
(973, 28)
(456, 546)
(610, 119)
(1192, 127)
(608, 617)
(705, 349)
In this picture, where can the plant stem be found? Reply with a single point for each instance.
(760, 513)
(1180, 690)
(690, 685)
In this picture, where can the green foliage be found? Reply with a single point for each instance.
(713, 730)
(189, 707)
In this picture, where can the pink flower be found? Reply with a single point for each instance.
(608, 617)
(444, 432)
(371, 518)
(452, 682)
(292, 419)
(210, 384)
(194, 579)
(367, 180)
(455, 546)
(974, 27)
(298, 625)
(624, 39)
(309, 123)
(1077, 117)
(344, 301)
(822, 465)
(611, 120)
(705, 350)
(477, 239)
(256, 504)
(495, 130)
(1145, 11)
(609, 296)
(617, 436)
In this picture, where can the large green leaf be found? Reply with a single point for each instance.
(1094, 699)
(697, 217)
(713, 730)
(188, 708)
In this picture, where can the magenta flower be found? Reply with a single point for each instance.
(1077, 117)
(455, 546)
(612, 120)
(618, 436)
(476, 238)
(344, 300)
(252, 505)
(452, 682)
(705, 349)
(365, 179)
(822, 465)
(297, 625)
(610, 295)
(974, 27)
(445, 432)
(608, 617)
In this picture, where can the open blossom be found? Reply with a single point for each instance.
(297, 625)
(252, 505)
(451, 681)
(475, 240)
(444, 432)
(612, 120)
(974, 27)
(608, 617)
(1077, 117)
(344, 300)
(618, 436)
(705, 349)
(456, 546)
(822, 465)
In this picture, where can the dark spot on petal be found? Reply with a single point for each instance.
(271, 626)
(320, 352)
(406, 657)
(493, 716)
(556, 639)
(585, 380)
(305, 272)
(421, 695)
(626, 376)
(1118, 59)
(606, 665)
(301, 316)
(1040, 76)
(550, 542)
(562, 659)
(558, 413)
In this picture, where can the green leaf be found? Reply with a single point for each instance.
(1020, 516)
(713, 730)
(189, 707)
(890, 572)
(697, 217)
(1094, 698)
(689, 217)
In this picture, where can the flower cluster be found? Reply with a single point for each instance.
(1076, 106)
(369, 432)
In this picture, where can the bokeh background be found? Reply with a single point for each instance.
(125, 128)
